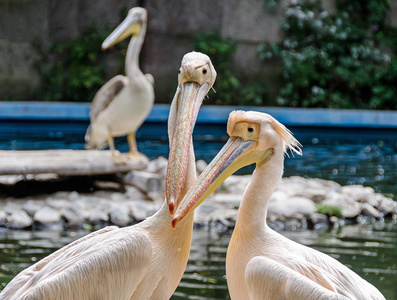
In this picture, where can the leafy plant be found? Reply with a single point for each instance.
(341, 60)
(221, 50)
(329, 210)
(73, 70)
(229, 89)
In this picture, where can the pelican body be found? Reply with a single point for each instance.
(261, 263)
(120, 107)
(144, 261)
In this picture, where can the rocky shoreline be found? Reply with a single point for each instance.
(297, 203)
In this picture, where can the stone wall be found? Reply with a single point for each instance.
(171, 25)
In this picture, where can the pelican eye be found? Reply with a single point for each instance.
(250, 129)
(204, 71)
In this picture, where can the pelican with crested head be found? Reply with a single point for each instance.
(144, 261)
(261, 263)
(121, 106)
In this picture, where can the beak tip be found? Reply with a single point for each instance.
(171, 206)
(174, 221)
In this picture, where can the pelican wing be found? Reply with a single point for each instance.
(22, 278)
(97, 268)
(106, 94)
(267, 279)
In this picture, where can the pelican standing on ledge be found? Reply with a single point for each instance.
(123, 103)
(261, 263)
(144, 261)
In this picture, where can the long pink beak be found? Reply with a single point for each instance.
(221, 167)
(190, 98)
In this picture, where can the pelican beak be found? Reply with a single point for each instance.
(131, 25)
(190, 96)
(236, 154)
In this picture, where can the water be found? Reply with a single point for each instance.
(348, 156)
(368, 249)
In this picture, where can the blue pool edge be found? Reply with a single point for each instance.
(52, 111)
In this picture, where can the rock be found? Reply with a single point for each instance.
(314, 189)
(73, 216)
(134, 193)
(291, 207)
(226, 200)
(74, 196)
(98, 217)
(19, 220)
(350, 208)
(158, 166)
(47, 215)
(334, 221)
(146, 182)
(317, 221)
(3, 218)
(119, 217)
(139, 211)
(57, 204)
(235, 184)
(361, 194)
(201, 165)
(386, 205)
(31, 207)
(370, 211)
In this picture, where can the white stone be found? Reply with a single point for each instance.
(145, 181)
(119, 217)
(350, 208)
(32, 206)
(47, 215)
(19, 219)
(201, 165)
(291, 207)
(368, 210)
(73, 216)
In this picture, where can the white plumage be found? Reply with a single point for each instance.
(261, 263)
(144, 261)
(123, 103)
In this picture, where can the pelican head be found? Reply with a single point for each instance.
(254, 138)
(131, 26)
(196, 76)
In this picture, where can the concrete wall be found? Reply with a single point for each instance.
(171, 25)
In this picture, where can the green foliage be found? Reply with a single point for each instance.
(221, 51)
(73, 70)
(341, 60)
(229, 89)
(329, 210)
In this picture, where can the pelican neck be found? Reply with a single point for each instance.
(133, 51)
(265, 178)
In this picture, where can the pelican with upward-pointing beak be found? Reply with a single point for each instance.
(261, 263)
(123, 103)
(144, 261)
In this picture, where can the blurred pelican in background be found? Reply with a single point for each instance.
(120, 107)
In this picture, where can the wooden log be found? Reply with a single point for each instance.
(64, 162)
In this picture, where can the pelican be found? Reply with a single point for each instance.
(123, 103)
(260, 263)
(144, 261)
